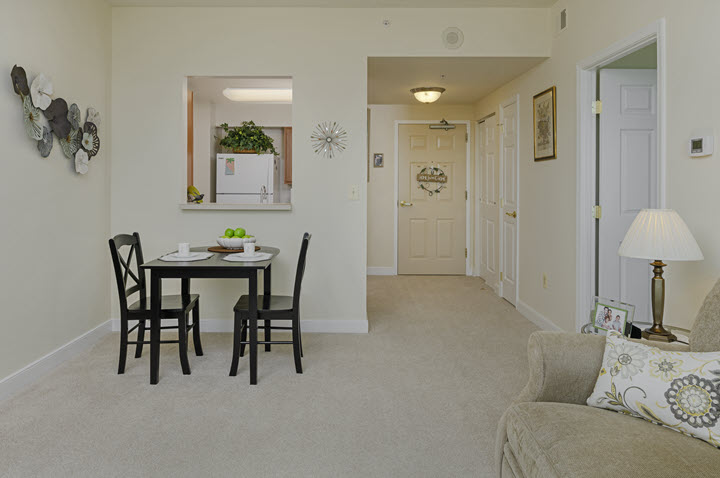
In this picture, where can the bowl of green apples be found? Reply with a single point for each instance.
(234, 238)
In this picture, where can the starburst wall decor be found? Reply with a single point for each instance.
(329, 139)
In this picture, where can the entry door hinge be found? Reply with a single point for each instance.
(596, 107)
(466, 252)
(466, 137)
(597, 212)
(501, 277)
(466, 195)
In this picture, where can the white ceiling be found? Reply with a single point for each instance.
(339, 3)
(208, 89)
(466, 81)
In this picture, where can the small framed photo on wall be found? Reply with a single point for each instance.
(545, 125)
(378, 160)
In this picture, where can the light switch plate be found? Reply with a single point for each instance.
(354, 193)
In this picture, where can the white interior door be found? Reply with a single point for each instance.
(509, 200)
(431, 212)
(487, 202)
(627, 180)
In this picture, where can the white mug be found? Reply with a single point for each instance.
(249, 249)
(183, 249)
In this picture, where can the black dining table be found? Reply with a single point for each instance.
(212, 268)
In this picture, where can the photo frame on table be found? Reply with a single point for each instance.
(609, 314)
(545, 125)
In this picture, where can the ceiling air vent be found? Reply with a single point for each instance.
(563, 20)
(453, 38)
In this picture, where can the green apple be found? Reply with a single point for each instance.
(239, 232)
(226, 236)
(229, 232)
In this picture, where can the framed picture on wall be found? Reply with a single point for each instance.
(544, 125)
(378, 160)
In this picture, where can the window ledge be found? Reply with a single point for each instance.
(282, 206)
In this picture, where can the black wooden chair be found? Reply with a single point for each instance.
(271, 307)
(172, 306)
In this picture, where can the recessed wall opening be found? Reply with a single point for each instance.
(239, 140)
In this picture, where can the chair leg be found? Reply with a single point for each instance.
(296, 344)
(183, 345)
(300, 338)
(243, 337)
(253, 349)
(123, 345)
(196, 329)
(140, 339)
(237, 348)
(268, 338)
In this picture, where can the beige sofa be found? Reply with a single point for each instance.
(549, 431)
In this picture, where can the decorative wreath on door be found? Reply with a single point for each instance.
(432, 180)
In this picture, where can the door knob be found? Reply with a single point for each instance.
(405, 204)
(512, 214)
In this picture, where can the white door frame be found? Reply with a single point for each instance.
(468, 179)
(586, 151)
(501, 238)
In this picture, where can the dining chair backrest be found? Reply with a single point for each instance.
(300, 270)
(123, 267)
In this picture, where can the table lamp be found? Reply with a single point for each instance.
(658, 235)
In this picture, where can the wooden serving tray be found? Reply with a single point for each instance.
(223, 250)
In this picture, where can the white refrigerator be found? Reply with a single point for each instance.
(246, 179)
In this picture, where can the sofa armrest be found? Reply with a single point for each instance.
(563, 368)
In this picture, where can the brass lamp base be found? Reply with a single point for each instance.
(657, 331)
(659, 334)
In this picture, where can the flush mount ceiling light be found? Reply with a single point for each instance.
(427, 94)
(259, 95)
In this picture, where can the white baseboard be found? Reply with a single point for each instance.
(381, 271)
(359, 326)
(31, 373)
(536, 317)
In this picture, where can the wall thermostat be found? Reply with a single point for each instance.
(701, 146)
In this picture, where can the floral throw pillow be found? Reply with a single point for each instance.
(679, 390)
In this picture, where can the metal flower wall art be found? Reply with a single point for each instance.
(44, 116)
(329, 139)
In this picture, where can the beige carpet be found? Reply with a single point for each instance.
(419, 396)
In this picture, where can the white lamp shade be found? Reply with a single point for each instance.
(660, 234)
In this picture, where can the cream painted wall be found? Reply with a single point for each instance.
(381, 187)
(547, 209)
(55, 223)
(325, 51)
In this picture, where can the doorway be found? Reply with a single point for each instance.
(432, 194)
(621, 167)
(627, 173)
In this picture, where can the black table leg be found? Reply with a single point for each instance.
(266, 300)
(253, 316)
(155, 294)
